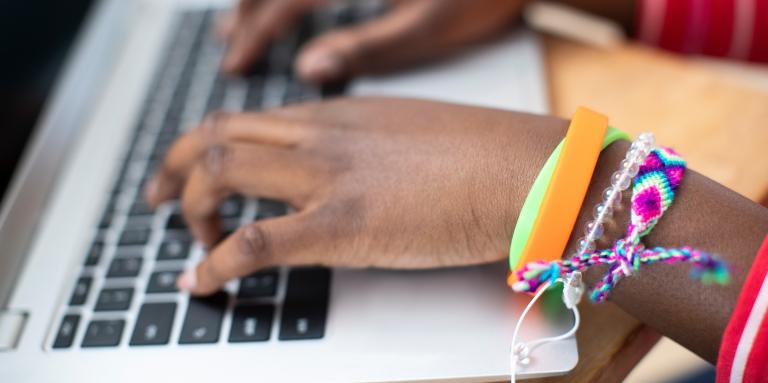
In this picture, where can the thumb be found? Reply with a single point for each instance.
(380, 44)
(258, 245)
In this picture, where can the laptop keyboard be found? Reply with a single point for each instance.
(125, 294)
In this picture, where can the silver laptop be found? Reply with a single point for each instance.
(87, 270)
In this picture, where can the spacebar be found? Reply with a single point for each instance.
(306, 304)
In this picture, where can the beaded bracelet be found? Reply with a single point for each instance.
(657, 174)
(620, 181)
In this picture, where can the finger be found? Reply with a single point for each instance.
(278, 241)
(219, 128)
(179, 160)
(369, 47)
(247, 169)
(267, 128)
(232, 19)
(254, 33)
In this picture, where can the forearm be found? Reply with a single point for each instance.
(706, 216)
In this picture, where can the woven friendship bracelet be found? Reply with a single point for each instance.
(653, 191)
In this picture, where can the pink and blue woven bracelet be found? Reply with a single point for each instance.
(655, 174)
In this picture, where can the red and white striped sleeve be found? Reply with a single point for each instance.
(744, 349)
(735, 29)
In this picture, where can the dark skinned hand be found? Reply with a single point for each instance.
(374, 182)
(412, 31)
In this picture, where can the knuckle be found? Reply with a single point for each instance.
(198, 194)
(215, 162)
(255, 244)
(212, 125)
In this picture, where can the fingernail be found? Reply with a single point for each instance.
(323, 66)
(187, 280)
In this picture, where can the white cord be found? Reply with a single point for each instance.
(572, 292)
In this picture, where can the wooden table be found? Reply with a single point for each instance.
(720, 125)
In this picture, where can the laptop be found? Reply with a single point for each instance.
(87, 270)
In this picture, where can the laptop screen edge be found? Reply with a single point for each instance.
(88, 64)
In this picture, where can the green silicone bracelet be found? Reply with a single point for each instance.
(533, 201)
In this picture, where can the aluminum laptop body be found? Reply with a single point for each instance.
(139, 73)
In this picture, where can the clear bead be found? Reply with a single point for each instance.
(604, 211)
(621, 180)
(636, 157)
(630, 167)
(648, 138)
(594, 230)
(645, 149)
(586, 246)
(625, 164)
(610, 199)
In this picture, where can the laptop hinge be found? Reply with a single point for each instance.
(11, 326)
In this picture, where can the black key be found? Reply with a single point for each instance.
(153, 325)
(80, 294)
(67, 330)
(269, 208)
(178, 234)
(251, 323)
(306, 304)
(255, 89)
(103, 333)
(304, 30)
(217, 94)
(106, 220)
(124, 267)
(176, 221)
(163, 282)
(114, 299)
(174, 249)
(203, 321)
(133, 237)
(228, 226)
(257, 285)
(94, 254)
(296, 92)
(231, 207)
(141, 208)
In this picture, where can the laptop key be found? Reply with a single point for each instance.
(153, 325)
(231, 207)
(67, 330)
(133, 237)
(106, 220)
(94, 254)
(258, 285)
(202, 323)
(124, 267)
(174, 249)
(163, 282)
(80, 294)
(114, 299)
(269, 208)
(176, 221)
(251, 323)
(103, 333)
(141, 208)
(306, 304)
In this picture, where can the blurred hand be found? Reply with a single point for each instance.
(391, 183)
(412, 31)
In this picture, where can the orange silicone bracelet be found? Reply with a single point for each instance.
(565, 194)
